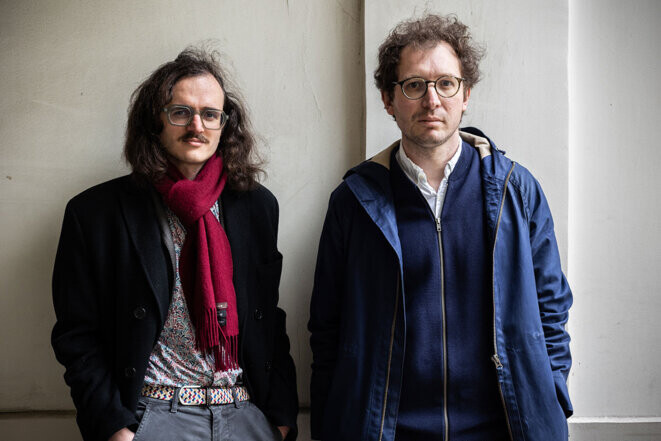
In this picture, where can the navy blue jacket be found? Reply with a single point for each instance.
(358, 321)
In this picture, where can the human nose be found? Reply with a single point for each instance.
(195, 124)
(431, 99)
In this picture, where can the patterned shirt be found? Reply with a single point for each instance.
(175, 360)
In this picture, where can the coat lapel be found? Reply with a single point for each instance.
(236, 215)
(372, 189)
(142, 224)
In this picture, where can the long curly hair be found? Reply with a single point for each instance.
(421, 33)
(142, 148)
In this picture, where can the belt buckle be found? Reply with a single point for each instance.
(181, 399)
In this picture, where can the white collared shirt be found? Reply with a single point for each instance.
(417, 175)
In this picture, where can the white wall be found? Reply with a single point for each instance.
(68, 69)
(614, 227)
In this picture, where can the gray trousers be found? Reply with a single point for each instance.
(161, 421)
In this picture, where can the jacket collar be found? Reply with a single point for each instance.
(370, 181)
(470, 135)
(499, 165)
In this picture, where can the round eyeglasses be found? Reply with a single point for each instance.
(415, 88)
(212, 119)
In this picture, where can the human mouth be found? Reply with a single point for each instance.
(430, 120)
(195, 140)
(431, 123)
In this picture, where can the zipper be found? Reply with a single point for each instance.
(494, 357)
(392, 339)
(446, 435)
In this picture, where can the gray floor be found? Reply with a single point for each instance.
(46, 427)
(62, 427)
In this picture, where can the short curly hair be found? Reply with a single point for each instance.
(422, 33)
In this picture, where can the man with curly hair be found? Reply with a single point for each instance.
(165, 283)
(439, 302)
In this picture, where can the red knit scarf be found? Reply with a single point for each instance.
(205, 262)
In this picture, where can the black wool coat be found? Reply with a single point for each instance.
(112, 284)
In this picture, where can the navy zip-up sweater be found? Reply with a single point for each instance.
(447, 366)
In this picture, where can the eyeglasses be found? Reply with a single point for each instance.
(212, 119)
(415, 88)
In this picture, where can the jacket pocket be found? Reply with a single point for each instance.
(542, 416)
(563, 394)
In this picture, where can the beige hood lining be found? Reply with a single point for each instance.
(481, 144)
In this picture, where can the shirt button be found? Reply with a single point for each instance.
(139, 313)
(258, 314)
(129, 372)
(267, 366)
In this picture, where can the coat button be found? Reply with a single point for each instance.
(267, 366)
(258, 314)
(139, 312)
(129, 372)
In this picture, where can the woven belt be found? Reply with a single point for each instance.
(197, 396)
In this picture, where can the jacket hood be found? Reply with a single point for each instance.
(369, 181)
(373, 169)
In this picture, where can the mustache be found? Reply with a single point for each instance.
(426, 115)
(190, 135)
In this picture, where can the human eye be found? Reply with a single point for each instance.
(211, 114)
(447, 83)
(180, 112)
(414, 84)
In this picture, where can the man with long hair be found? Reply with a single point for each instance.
(165, 283)
(439, 303)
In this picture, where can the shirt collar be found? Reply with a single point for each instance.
(416, 174)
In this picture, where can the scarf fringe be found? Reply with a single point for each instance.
(208, 334)
(224, 348)
(226, 354)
